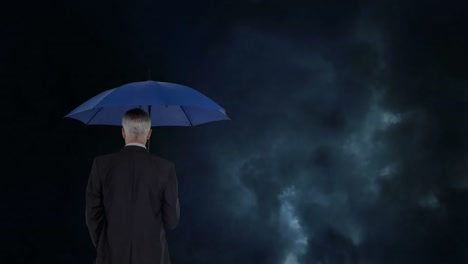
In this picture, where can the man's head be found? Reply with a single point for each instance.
(136, 126)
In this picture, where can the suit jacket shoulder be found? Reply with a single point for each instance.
(112, 157)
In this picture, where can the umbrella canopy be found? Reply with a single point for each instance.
(169, 104)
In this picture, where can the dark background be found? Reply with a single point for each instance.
(346, 145)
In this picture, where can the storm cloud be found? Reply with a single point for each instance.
(334, 151)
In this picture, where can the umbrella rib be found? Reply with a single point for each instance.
(94, 115)
(186, 115)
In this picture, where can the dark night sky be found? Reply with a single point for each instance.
(347, 142)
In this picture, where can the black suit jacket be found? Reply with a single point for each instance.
(131, 197)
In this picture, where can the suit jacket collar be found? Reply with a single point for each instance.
(133, 147)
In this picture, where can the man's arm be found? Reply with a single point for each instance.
(94, 205)
(170, 202)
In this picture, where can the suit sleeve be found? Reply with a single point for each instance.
(170, 202)
(94, 205)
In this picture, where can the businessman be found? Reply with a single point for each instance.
(131, 198)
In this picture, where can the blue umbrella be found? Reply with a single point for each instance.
(169, 104)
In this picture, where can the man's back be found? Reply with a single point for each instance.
(131, 196)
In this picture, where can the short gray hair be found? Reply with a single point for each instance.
(136, 123)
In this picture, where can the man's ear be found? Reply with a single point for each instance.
(149, 134)
(123, 133)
